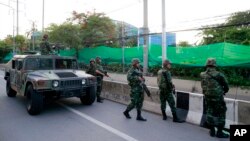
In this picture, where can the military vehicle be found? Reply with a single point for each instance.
(42, 78)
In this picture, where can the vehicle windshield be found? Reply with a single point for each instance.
(66, 64)
(39, 64)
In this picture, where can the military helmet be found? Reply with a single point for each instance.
(167, 61)
(45, 36)
(92, 60)
(211, 62)
(135, 60)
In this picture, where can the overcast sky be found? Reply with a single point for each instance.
(180, 14)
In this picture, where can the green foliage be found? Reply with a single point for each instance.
(233, 34)
(96, 28)
(66, 34)
(184, 44)
(20, 42)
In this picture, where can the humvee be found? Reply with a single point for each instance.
(47, 77)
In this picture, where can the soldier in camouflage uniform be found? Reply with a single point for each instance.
(214, 86)
(92, 68)
(164, 81)
(135, 78)
(44, 46)
(100, 73)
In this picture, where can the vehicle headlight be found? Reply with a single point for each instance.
(83, 81)
(55, 84)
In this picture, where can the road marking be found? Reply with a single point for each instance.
(101, 124)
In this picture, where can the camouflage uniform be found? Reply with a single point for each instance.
(166, 90)
(136, 92)
(92, 68)
(214, 86)
(99, 77)
(166, 87)
(45, 46)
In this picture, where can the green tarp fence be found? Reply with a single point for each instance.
(227, 54)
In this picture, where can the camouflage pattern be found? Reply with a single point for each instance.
(166, 89)
(45, 47)
(92, 68)
(136, 93)
(214, 85)
(99, 77)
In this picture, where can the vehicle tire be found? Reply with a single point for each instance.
(90, 96)
(34, 101)
(9, 91)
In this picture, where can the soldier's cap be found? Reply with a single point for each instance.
(135, 60)
(211, 62)
(92, 60)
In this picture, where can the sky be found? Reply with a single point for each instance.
(180, 14)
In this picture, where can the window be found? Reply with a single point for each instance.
(66, 64)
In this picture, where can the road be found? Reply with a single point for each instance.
(68, 120)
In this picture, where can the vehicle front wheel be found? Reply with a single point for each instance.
(90, 96)
(9, 91)
(34, 101)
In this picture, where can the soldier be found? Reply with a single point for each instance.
(44, 46)
(214, 86)
(92, 68)
(164, 81)
(135, 78)
(100, 73)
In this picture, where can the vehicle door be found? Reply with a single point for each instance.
(13, 73)
(19, 69)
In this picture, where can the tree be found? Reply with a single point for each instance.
(184, 44)
(235, 30)
(20, 42)
(95, 28)
(66, 34)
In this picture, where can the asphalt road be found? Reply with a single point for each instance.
(68, 120)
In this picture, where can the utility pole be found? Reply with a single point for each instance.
(164, 50)
(17, 17)
(43, 18)
(33, 37)
(146, 41)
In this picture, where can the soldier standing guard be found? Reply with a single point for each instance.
(135, 78)
(92, 68)
(44, 46)
(100, 73)
(164, 81)
(214, 86)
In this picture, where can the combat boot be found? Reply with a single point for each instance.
(221, 134)
(212, 131)
(139, 117)
(176, 119)
(98, 99)
(126, 114)
(164, 115)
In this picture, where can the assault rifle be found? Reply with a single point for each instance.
(143, 85)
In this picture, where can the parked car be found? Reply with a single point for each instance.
(47, 77)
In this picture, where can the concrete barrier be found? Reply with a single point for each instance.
(190, 105)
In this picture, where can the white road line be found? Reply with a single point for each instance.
(101, 124)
